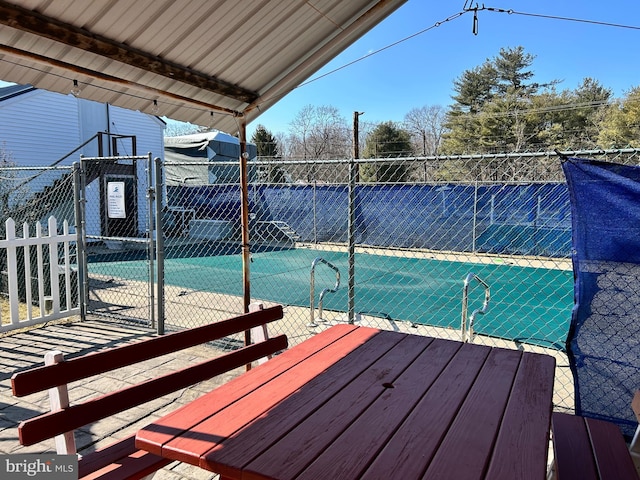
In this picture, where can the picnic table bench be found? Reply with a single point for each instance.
(121, 459)
(589, 449)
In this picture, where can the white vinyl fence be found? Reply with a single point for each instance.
(38, 275)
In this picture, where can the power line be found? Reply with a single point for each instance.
(553, 17)
(466, 9)
(545, 109)
(375, 52)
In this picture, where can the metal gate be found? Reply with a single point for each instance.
(116, 208)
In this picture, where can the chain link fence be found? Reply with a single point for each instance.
(30, 195)
(117, 200)
(421, 229)
(399, 244)
(118, 253)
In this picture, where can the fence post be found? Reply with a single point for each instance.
(475, 218)
(151, 195)
(27, 268)
(67, 265)
(352, 242)
(40, 263)
(315, 213)
(159, 246)
(54, 277)
(12, 266)
(81, 249)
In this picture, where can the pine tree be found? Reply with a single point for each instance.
(265, 142)
(493, 106)
(511, 66)
(267, 148)
(621, 127)
(386, 141)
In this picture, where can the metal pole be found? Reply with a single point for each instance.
(356, 142)
(81, 246)
(159, 245)
(315, 213)
(353, 174)
(244, 196)
(352, 229)
(475, 217)
(150, 244)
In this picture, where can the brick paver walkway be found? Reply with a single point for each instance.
(26, 349)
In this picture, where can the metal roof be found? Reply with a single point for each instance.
(208, 62)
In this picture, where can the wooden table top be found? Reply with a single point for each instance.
(361, 403)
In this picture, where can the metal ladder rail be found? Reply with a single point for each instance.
(312, 322)
(466, 328)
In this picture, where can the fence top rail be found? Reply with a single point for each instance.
(421, 158)
(119, 157)
(43, 168)
(258, 161)
(40, 238)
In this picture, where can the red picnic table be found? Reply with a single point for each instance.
(361, 403)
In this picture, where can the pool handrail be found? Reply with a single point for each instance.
(312, 322)
(466, 329)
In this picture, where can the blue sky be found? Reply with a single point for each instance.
(421, 70)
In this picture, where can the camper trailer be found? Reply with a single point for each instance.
(204, 158)
(202, 176)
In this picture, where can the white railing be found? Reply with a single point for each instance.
(45, 303)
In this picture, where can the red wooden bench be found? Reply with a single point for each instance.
(589, 449)
(122, 460)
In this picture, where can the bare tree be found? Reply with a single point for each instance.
(13, 188)
(177, 129)
(283, 145)
(426, 126)
(319, 133)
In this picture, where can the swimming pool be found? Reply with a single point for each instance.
(528, 304)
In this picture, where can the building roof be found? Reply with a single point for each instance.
(14, 90)
(201, 138)
(213, 63)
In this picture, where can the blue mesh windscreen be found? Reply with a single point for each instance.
(604, 337)
(503, 219)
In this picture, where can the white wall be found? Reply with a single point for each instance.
(93, 119)
(39, 127)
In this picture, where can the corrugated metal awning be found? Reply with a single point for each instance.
(201, 61)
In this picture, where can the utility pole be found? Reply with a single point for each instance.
(356, 142)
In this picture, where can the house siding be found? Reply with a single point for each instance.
(38, 128)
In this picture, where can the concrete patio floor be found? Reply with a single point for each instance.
(23, 350)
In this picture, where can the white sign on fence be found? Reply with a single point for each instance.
(115, 200)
